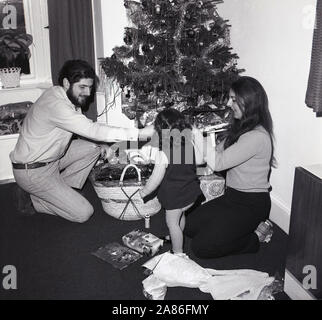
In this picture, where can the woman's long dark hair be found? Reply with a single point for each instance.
(252, 100)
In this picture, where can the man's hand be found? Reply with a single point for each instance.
(146, 132)
(106, 152)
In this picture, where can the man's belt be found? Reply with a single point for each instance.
(29, 165)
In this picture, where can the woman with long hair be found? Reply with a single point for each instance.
(233, 223)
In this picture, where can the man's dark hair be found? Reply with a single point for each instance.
(75, 70)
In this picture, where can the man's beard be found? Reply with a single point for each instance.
(83, 104)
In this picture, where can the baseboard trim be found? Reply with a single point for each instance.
(280, 214)
(294, 289)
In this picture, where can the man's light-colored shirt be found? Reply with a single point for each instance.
(50, 124)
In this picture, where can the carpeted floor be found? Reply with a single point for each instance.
(53, 256)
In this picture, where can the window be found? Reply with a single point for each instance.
(13, 24)
(31, 18)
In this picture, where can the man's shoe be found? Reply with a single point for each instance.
(22, 202)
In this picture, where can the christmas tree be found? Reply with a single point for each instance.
(176, 54)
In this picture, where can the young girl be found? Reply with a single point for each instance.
(174, 173)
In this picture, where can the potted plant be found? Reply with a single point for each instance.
(14, 51)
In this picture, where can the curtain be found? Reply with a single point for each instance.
(71, 37)
(314, 90)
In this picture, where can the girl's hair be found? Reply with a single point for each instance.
(252, 100)
(170, 119)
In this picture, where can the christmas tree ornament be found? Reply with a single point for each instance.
(209, 24)
(157, 9)
(200, 4)
(191, 33)
(184, 79)
(128, 40)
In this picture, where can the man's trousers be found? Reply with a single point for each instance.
(51, 186)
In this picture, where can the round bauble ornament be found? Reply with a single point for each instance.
(191, 33)
(128, 40)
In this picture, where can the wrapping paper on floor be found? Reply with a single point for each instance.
(169, 270)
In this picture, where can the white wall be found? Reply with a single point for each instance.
(110, 33)
(273, 39)
(114, 20)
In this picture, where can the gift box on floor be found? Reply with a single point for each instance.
(145, 243)
(212, 186)
(117, 255)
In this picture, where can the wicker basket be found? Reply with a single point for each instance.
(212, 186)
(10, 77)
(122, 200)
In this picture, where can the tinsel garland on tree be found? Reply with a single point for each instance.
(176, 54)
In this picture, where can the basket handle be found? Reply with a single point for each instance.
(125, 169)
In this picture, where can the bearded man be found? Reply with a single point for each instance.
(48, 165)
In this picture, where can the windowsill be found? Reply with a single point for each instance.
(28, 85)
(26, 92)
(9, 136)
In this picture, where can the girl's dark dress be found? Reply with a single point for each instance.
(180, 185)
